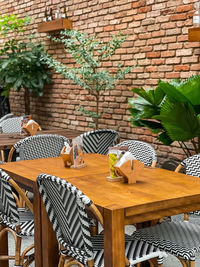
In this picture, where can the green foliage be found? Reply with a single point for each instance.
(88, 72)
(21, 65)
(172, 109)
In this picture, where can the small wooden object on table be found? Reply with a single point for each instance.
(130, 170)
(31, 127)
(70, 160)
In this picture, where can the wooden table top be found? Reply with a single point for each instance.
(7, 140)
(156, 189)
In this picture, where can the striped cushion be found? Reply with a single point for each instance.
(27, 227)
(136, 251)
(182, 239)
(141, 151)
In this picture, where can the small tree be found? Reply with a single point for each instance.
(89, 54)
(20, 64)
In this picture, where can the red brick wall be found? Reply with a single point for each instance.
(157, 36)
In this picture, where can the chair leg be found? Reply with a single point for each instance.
(186, 263)
(61, 261)
(18, 251)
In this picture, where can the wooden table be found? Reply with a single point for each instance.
(7, 140)
(156, 194)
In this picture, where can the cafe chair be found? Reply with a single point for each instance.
(39, 146)
(11, 125)
(18, 224)
(141, 151)
(192, 167)
(5, 117)
(99, 141)
(66, 207)
(181, 239)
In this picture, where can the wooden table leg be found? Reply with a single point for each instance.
(37, 228)
(49, 242)
(4, 249)
(114, 238)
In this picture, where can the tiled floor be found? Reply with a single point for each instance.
(170, 261)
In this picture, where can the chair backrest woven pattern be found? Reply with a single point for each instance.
(40, 146)
(141, 151)
(7, 116)
(65, 205)
(11, 125)
(99, 141)
(8, 207)
(192, 165)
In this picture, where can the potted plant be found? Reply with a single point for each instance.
(20, 64)
(172, 110)
(88, 71)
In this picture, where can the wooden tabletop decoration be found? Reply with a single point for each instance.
(130, 170)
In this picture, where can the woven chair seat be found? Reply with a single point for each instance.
(136, 251)
(182, 239)
(26, 223)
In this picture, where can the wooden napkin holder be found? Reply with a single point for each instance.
(130, 170)
(31, 128)
(69, 161)
(67, 157)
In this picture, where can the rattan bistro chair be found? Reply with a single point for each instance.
(11, 125)
(66, 208)
(39, 146)
(180, 238)
(99, 141)
(5, 117)
(192, 166)
(141, 151)
(12, 221)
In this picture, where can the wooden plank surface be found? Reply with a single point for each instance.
(8, 140)
(156, 193)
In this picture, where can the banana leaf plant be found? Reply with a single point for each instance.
(171, 110)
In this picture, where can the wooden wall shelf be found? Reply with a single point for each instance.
(55, 25)
(194, 34)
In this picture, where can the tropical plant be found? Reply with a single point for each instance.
(88, 71)
(172, 110)
(20, 64)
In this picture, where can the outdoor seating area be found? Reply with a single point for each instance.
(99, 133)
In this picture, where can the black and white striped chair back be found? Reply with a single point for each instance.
(192, 165)
(8, 207)
(11, 125)
(5, 117)
(99, 141)
(40, 146)
(141, 151)
(66, 208)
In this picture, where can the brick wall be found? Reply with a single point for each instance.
(157, 37)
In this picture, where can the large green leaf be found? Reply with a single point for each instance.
(181, 123)
(191, 89)
(153, 97)
(171, 91)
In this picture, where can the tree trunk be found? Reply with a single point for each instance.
(26, 101)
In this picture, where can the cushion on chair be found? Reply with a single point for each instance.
(136, 251)
(181, 239)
